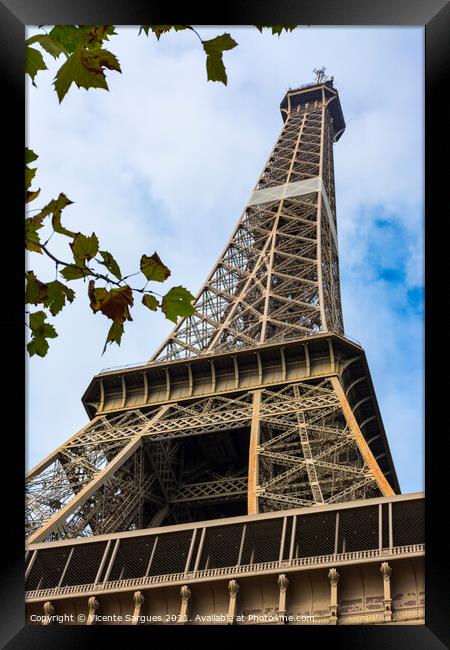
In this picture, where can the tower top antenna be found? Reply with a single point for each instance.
(320, 74)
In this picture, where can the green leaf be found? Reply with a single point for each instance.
(41, 331)
(55, 207)
(57, 295)
(114, 303)
(30, 173)
(177, 302)
(30, 156)
(153, 268)
(73, 272)
(96, 34)
(214, 49)
(150, 302)
(158, 30)
(32, 241)
(114, 335)
(49, 44)
(111, 264)
(52, 295)
(84, 248)
(33, 62)
(85, 68)
(276, 29)
(69, 36)
(36, 292)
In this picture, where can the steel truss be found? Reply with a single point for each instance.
(278, 277)
(308, 452)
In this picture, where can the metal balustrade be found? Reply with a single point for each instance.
(289, 540)
(319, 561)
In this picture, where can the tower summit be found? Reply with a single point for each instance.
(254, 411)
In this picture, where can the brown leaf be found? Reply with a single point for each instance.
(114, 303)
(153, 268)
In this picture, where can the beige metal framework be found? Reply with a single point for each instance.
(277, 448)
(258, 402)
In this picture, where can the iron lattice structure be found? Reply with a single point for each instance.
(278, 277)
(258, 401)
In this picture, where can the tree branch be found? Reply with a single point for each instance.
(99, 276)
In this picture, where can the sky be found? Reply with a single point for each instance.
(166, 161)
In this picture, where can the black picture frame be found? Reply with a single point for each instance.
(434, 15)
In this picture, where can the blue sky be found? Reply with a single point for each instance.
(166, 161)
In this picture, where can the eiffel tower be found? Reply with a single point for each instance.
(255, 406)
